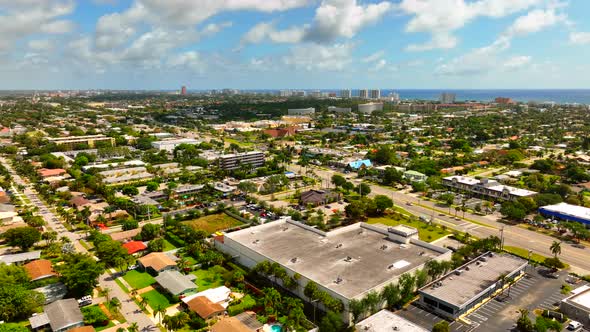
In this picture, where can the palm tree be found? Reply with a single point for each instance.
(143, 302)
(106, 293)
(159, 311)
(555, 248)
(120, 329)
(133, 327)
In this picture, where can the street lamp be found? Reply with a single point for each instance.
(314, 306)
(529, 258)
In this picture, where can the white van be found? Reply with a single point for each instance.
(574, 326)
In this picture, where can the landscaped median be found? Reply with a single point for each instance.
(524, 253)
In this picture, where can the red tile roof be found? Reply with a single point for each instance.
(44, 172)
(39, 269)
(134, 246)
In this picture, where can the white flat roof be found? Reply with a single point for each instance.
(387, 321)
(581, 296)
(463, 179)
(569, 209)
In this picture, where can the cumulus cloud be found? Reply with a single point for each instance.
(580, 38)
(488, 58)
(440, 18)
(40, 44)
(373, 57)
(535, 21)
(20, 19)
(333, 19)
(267, 31)
(319, 57)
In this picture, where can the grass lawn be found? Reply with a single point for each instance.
(426, 232)
(168, 246)
(155, 298)
(209, 278)
(138, 280)
(100, 328)
(524, 253)
(214, 222)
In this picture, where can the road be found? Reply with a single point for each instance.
(513, 235)
(129, 308)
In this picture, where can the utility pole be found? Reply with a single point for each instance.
(502, 238)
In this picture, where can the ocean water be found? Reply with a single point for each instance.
(560, 96)
(557, 96)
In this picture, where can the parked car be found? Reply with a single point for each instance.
(85, 300)
(574, 325)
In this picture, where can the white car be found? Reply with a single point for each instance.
(574, 326)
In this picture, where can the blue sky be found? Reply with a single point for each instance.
(276, 44)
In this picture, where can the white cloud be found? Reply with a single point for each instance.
(379, 65)
(19, 19)
(40, 45)
(373, 57)
(517, 62)
(333, 19)
(319, 57)
(344, 18)
(190, 59)
(440, 18)
(535, 21)
(580, 38)
(266, 31)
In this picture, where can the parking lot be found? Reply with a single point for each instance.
(534, 291)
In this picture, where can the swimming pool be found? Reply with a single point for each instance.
(276, 328)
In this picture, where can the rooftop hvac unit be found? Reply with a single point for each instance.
(383, 247)
(338, 280)
(339, 245)
(294, 260)
(458, 272)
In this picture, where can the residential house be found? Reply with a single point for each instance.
(414, 176)
(206, 309)
(125, 235)
(318, 197)
(60, 316)
(134, 247)
(39, 269)
(20, 258)
(176, 283)
(244, 322)
(157, 262)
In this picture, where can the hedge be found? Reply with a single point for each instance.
(247, 302)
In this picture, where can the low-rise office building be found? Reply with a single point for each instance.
(457, 292)
(234, 161)
(577, 305)
(568, 212)
(125, 175)
(170, 144)
(369, 108)
(89, 140)
(301, 111)
(387, 321)
(337, 261)
(486, 187)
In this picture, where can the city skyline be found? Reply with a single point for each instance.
(156, 45)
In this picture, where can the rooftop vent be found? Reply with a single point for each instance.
(422, 253)
(483, 259)
(467, 268)
(403, 246)
(285, 228)
(339, 245)
(458, 272)
(255, 241)
(294, 260)
(383, 247)
(348, 259)
(491, 254)
(338, 280)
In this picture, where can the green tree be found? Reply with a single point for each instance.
(382, 203)
(13, 275)
(22, 237)
(130, 190)
(338, 180)
(363, 189)
(129, 224)
(16, 301)
(357, 309)
(391, 295)
(149, 232)
(442, 326)
(331, 323)
(80, 273)
(524, 324)
(555, 248)
(156, 245)
(248, 186)
(111, 252)
(13, 327)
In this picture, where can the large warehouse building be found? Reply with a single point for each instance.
(454, 294)
(347, 263)
(567, 212)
